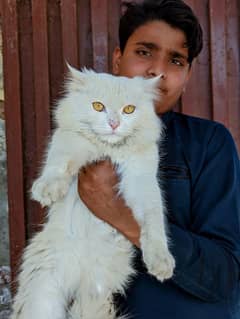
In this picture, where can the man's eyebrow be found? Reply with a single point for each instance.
(177, 54)
(149, 45)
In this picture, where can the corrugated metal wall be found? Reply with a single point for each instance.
(38, 36)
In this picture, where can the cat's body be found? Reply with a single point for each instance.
(74, 265)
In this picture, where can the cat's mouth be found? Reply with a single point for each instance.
(113, 139)
(110, 136)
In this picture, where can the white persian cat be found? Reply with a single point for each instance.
(74, 265)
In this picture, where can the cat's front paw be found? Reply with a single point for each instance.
(48, 190)
(159, 261)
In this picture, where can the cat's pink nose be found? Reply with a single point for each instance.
(114, 124)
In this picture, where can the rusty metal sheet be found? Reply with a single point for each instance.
(55, 50)
(69, 32)
(41, 76)
(28, 111)
(233, 68)
(13, 131)
(113, 10)
(197, 98)
(99, 35)
(217, 12)
(85, 34)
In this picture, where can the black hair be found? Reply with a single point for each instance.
(176, 13)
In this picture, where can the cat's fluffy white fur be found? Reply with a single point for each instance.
(74, 265)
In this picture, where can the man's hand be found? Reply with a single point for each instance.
(97, 187)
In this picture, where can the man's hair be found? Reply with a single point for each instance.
(174, 12)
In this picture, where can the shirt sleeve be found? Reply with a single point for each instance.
(208, 254)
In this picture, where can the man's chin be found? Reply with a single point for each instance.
(161, 108)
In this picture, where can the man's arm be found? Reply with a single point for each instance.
(97, 186)
(208, 255)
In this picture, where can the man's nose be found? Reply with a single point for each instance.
(157, 69)
(152, 74)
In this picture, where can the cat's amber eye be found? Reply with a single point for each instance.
(129, 109)
(98, 106)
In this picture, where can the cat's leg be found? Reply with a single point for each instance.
(39, 297)
(142, 194)
(63, 161)
(42, 291)
(154, 243)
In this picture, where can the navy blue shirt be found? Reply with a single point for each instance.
(200, 175)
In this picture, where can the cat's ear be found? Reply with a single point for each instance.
(77, 80)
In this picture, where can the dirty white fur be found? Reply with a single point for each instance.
(74, 265)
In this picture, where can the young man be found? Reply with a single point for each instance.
(199, 173)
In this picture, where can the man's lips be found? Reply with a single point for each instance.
(162, 90)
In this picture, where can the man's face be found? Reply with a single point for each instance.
(156, 48)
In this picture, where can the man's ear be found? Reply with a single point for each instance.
(116, 59)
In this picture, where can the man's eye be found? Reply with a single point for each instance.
(177, 62)
(143, 52)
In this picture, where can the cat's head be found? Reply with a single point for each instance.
(109, 108)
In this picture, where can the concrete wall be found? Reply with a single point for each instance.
(4, 240)
(5, 296)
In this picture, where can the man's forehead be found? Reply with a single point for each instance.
(159, 32)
